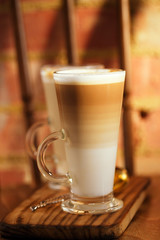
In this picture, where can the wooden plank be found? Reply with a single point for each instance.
(12, 196)
(146, 223)
(51, 222)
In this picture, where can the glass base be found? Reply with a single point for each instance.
(102, 205)
(57, 186)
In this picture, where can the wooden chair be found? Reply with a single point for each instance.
(25, 83)
(150, 218)
(124, 62)
(21, 192)
(24, 76)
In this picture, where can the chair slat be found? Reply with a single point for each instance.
(125, 63)
(24, 79)
(70, 31)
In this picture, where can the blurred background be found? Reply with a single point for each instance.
(97, 42)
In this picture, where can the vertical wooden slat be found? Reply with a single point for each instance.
(125, 63)
(24, 79)
(70, 31)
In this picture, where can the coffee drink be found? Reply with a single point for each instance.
(53, 110)
(90, 104)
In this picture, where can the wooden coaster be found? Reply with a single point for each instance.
(51, 222)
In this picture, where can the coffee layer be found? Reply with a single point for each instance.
(90, 113)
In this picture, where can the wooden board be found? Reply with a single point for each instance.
(51, 222)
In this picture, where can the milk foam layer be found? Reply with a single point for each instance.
(88, 76)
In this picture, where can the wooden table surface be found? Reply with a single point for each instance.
(146, 223)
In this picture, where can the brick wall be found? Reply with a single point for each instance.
(97, 42)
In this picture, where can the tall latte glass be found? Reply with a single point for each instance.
(53, 120)
(90, 102)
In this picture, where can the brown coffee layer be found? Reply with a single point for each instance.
(90, 113)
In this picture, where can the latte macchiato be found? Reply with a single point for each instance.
(90, 105)
(89, 102)
(53, 110)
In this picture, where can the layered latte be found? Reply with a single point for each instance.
(90, 105)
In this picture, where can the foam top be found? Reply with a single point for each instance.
(89, 76)
(48, 70)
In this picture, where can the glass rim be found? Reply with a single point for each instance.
(88, 71)
(59, 67)
(46, 71)
(89, 76)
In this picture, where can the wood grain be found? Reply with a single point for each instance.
(146, 223)
(51, 222)
(12, 196)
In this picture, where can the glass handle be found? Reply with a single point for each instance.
(31, 138)
(41, 159)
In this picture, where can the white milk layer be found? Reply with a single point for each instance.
(92, 170)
